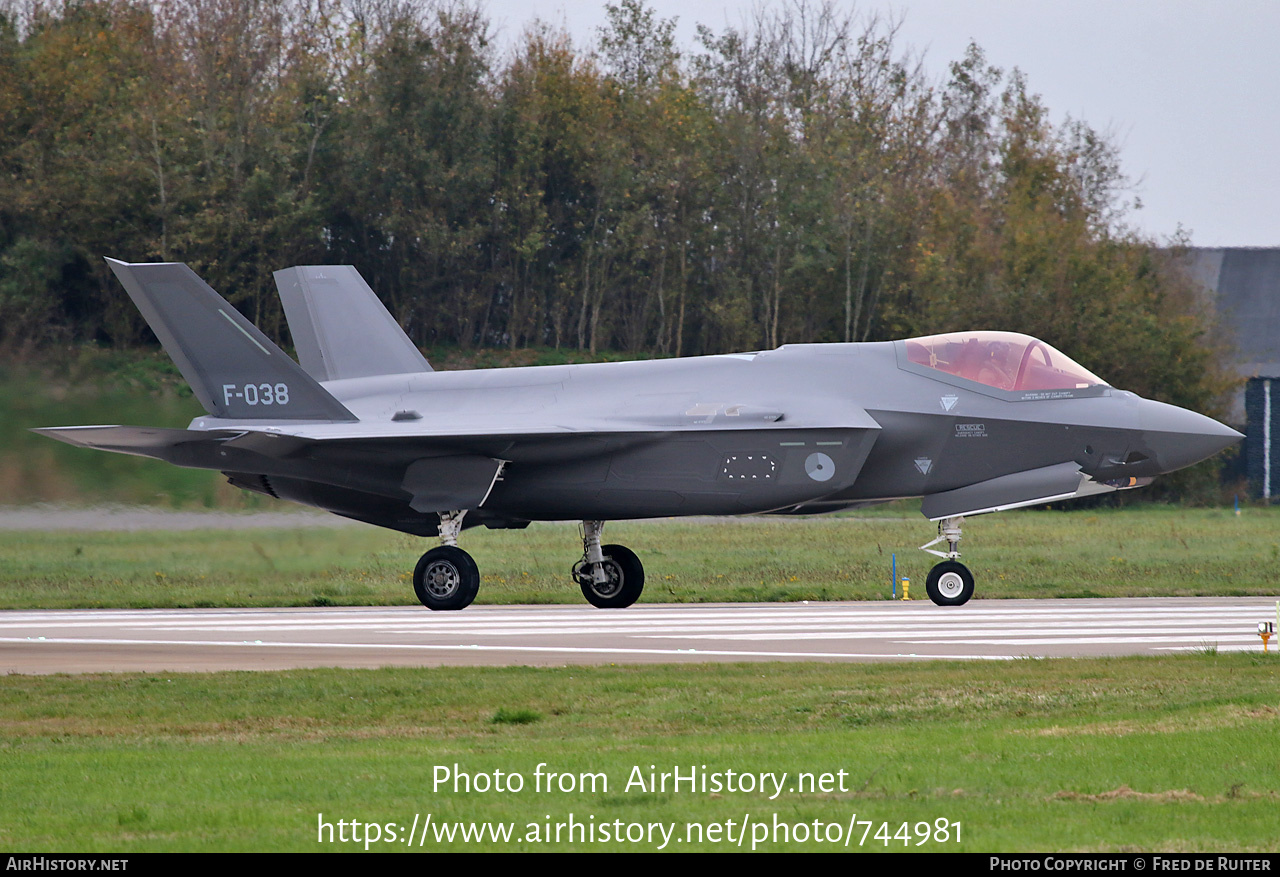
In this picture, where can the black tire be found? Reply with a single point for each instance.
(446, 578)
(949, 583)
(625, 579)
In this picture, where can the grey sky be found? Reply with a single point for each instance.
(1189, 90)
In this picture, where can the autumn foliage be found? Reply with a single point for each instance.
(797, 178)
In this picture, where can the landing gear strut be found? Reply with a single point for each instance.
(446, 577)
(611, 576)
(949, 583)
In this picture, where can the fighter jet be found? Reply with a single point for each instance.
(972, 422)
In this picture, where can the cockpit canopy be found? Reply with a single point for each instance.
(1003, 360)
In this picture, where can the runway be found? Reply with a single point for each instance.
(79, 641)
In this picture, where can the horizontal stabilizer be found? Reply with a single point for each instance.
(1033, 487)
(140, 441)
(340, 328)
(234, 370)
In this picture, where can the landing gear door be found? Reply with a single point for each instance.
(453, 482)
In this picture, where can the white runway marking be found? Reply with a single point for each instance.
(79, 640)
(567, 650)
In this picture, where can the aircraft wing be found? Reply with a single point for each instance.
(478, 431)
(285, 438)
(458, 467)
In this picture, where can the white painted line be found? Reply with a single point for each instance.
(1070, 641)
(917, 635)
(534, 649)
(1209, 646)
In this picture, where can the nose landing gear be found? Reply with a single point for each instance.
(949, 583)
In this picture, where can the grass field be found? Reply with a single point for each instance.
(1129, 754)
(1152, 551)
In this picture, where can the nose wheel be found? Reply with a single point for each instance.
(949, 583)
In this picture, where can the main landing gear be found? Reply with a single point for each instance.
(446, 577)
(949, 583)
(611, 576)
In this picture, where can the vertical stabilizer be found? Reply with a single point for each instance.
(340, 328)
(234, 370)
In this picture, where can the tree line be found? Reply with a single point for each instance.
(796, 178)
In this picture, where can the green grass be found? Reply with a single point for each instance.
(505, 716)
(1107, 553)
(1166, 754)
(90, 386)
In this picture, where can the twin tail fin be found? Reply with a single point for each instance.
(340, 328)
(234, 370)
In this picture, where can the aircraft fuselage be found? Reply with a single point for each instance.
(804, 428)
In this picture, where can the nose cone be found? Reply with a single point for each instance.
(1176, 438)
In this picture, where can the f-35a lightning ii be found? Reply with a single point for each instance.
(973, 422)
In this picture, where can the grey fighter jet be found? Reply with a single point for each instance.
(973, 422)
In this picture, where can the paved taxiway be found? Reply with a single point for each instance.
(75, 641)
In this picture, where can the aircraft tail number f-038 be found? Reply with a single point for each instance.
(972, 422)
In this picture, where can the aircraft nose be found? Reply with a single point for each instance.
(1178, 437)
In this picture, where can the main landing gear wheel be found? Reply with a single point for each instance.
(446, 578)
(623, 578)
(949, 583)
